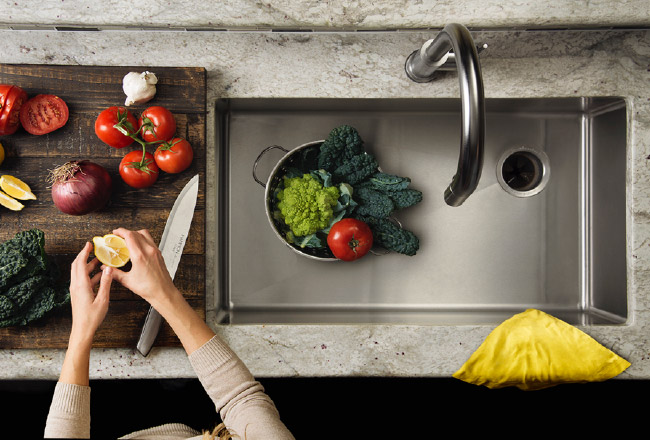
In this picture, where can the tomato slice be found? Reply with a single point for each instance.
(12, 99)
(43, 114)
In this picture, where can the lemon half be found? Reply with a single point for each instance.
(9, 202)
(16, 188)
(111, 250)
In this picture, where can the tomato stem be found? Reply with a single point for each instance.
(127, 129)
(354, 244)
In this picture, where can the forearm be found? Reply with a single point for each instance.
(191, 330)
(77, 360)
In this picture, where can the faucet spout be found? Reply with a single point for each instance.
(421, 66)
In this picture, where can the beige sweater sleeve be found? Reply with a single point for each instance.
(69, 415)
(244, 407)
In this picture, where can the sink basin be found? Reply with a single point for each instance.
(546, 227)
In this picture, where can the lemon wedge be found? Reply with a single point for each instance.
(16, 188)
(9, 202)
(111, 250)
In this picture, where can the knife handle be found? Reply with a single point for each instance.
(149, 331)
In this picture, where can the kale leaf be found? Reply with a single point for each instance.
(29, 286)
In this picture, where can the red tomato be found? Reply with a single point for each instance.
(138, 173)
(43, 114)
(157, 123)
(105, 126)
(349, 239)
(12, 99)
(174, 156)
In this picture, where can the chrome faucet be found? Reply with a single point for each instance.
(436, 55)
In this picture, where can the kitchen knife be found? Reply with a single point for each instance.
(171, 247)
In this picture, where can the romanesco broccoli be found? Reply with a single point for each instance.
(305, 205)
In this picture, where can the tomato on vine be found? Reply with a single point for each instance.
(139, 169)
(174, 156)
(157, 124)
(115, 125)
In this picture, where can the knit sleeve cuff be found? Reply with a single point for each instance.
(211, 356)
(71, 399)
(69, 415)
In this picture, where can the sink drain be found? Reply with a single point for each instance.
(523, 172)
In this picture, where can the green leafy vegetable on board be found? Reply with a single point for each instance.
(29, 286)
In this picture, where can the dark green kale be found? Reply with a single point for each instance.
(20, 294)
(391, 236)
(29, 286)
(12, 264)
(356, 169)
(372, 203)
(341, 145)
(393, 187)
(30, 245)
(387, 182)
(405, 198)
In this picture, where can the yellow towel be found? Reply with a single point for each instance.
(533, 350)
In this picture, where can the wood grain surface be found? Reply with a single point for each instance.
(88, 90)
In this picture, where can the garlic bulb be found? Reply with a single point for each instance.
(139, 87)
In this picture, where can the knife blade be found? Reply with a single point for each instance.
(171, 246)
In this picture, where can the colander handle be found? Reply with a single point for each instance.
(264, 151)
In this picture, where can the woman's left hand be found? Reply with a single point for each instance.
(88, 309)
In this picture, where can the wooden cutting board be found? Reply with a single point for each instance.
(88, 90)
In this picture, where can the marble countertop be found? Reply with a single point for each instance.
(325, 15)
(366, 64)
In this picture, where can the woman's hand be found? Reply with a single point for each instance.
(148, 277)
(88, 312)
(88, 309)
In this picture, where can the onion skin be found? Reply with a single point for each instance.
(81, 187)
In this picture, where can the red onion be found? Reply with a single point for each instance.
(80, 187)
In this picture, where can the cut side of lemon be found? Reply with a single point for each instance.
(9, 202)
(111, 250)
(16, 188)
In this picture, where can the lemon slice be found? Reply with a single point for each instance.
(9, 202)
(16, 188)
(111, 250)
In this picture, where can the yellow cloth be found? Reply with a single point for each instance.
(533, 350)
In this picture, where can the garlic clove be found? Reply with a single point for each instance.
(139, 87)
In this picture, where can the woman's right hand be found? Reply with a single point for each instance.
(150, 279)
(148, 276)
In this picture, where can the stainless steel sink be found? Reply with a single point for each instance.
(555, 240)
